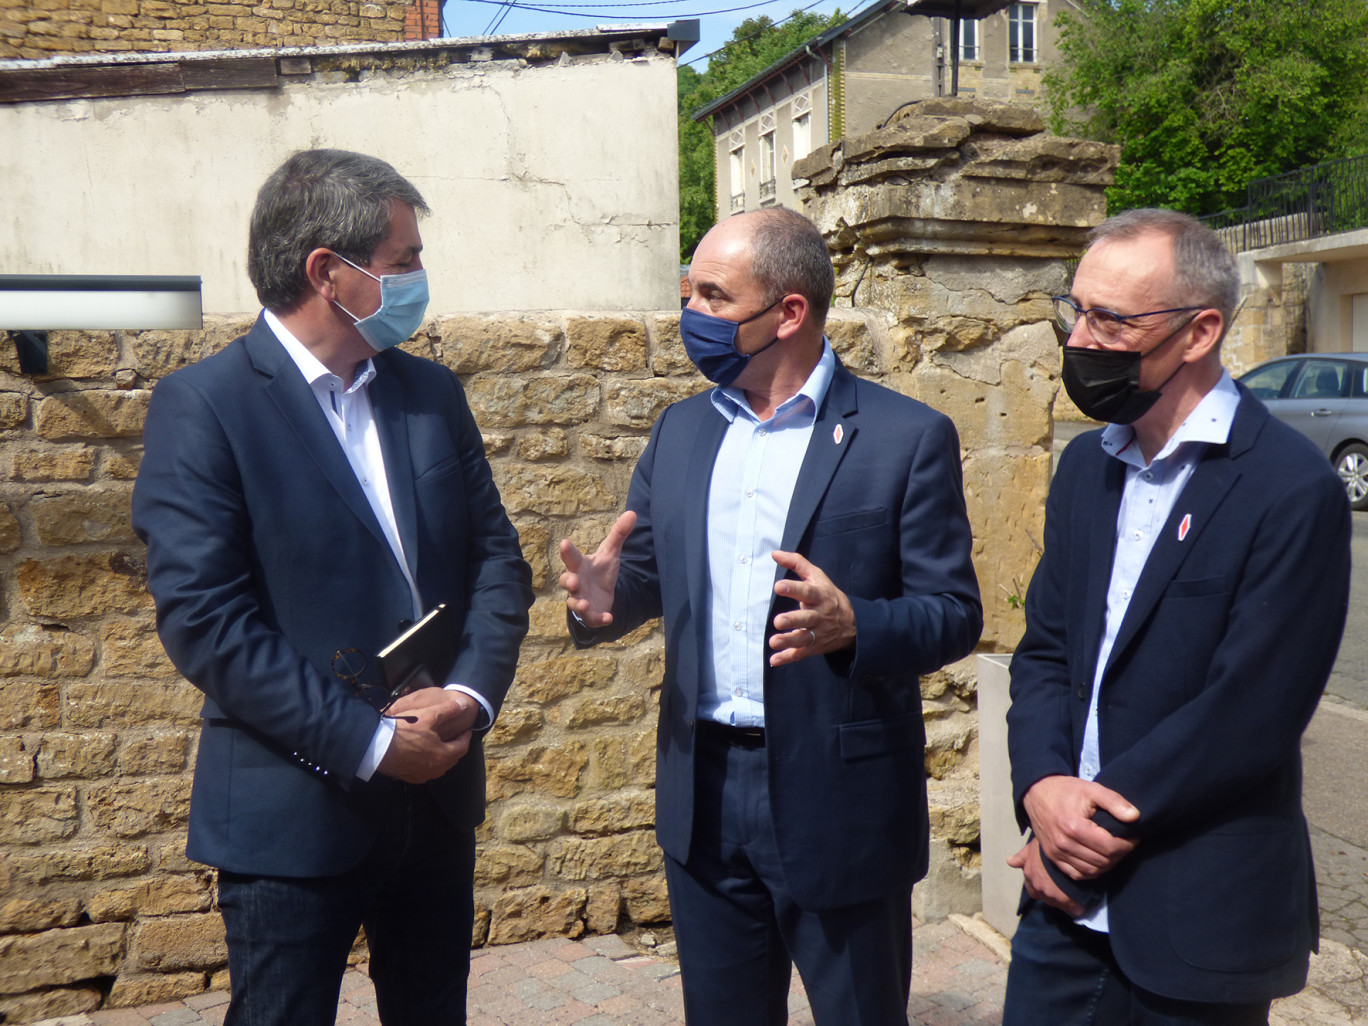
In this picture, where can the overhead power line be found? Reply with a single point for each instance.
(596, 15)
(754, 35)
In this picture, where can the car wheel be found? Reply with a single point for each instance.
(1352, 466)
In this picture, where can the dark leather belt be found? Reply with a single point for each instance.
(738, 737)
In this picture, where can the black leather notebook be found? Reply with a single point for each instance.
(422, 656)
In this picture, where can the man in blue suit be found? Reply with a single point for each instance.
(305, 494)
(803, 533)
(1180, 629)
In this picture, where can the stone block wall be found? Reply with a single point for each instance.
(1272, 320)
(45, 28)
(98, 904)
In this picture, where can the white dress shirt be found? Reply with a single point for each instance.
(1151, 492)
(752, 483)
(348, 411)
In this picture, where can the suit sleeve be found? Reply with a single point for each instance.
(499, 579)
(1265, 678)
(1039, 721)
(190, 509)
(938, 616)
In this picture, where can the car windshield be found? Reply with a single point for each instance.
(1267, 382)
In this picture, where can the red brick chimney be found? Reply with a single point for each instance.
(423, 20)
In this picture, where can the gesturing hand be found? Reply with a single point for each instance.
(590, 581)
(823, 622)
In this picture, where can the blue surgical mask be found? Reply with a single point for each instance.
(711, 343)
(403, 302)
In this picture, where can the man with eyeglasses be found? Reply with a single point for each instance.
(304, 494)
(1180, 629)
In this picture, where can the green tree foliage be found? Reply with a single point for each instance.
(755, 45)
(1205, 95)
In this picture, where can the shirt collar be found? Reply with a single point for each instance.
(309, 365)
(1209, 422)
(805, 402)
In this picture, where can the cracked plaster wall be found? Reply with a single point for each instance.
(551, 186)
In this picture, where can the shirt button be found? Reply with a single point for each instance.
(745, 559)
(750, 493)
(737, 626)
(1138, 535)
(762, 432)
(738, 692)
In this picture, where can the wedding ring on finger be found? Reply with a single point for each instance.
(813, 635)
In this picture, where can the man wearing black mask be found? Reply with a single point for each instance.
(1157, 704)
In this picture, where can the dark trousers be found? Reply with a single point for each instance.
(740, 932)
(288, 938)
(1063, 974)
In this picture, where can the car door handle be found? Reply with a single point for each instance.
(1321, 413)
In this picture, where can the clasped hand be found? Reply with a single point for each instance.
(1060, 809)
(432, 733)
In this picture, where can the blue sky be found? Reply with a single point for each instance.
(475, 17)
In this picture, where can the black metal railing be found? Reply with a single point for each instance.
(1300, 205)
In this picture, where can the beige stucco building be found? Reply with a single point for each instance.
(849, 80)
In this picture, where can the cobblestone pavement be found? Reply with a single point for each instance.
(1342, 879)
(959, 974)
(957, 980)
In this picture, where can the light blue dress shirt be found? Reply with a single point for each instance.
(1151, 492)
(748, 501)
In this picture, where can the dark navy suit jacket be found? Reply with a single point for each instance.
(265, 558)
(879, 508)
(1221, 658)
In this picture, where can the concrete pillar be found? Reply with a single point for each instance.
(959, 220)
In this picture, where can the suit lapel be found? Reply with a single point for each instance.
(697, 480)
(833, 434)
(291, 394)
(1101, 553)
(1211, 481)
(392, 426)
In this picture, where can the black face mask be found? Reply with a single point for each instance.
(1105, 383)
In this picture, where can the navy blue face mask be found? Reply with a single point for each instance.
(711, 343)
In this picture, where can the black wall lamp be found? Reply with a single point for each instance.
(39, 303)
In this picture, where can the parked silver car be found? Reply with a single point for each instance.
(1325, 397)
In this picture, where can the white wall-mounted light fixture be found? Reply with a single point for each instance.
(31, 305)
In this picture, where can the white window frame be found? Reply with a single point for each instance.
(968, 39)
(1022, 21)
(769, 178)
(802, 125)
(737, 168)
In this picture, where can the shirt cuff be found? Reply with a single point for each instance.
(375, 752)
(481, 722)
(384, 732)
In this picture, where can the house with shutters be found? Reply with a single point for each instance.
(851, 78)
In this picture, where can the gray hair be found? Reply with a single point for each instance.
(1204, 269)
(788, 254)
(329, 199)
